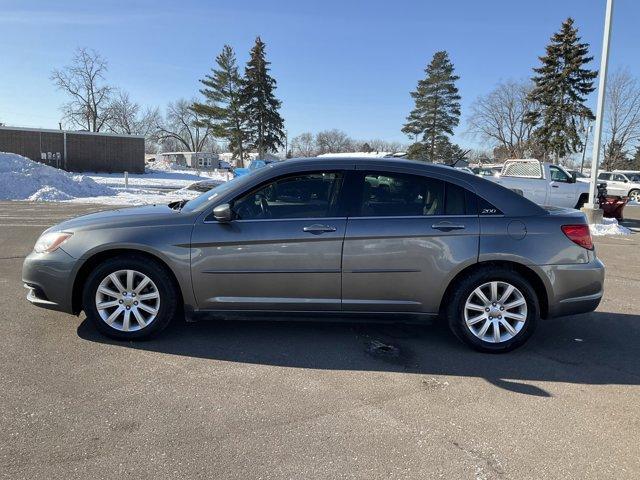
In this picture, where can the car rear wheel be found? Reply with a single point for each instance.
(129, 297)
(634, 195)
(493, 310)
(584, 197)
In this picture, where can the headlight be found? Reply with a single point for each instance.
(49, 242)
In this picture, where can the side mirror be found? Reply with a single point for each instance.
(222, 213)
(573, 177)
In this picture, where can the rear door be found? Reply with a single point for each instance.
(405, 234)
(282, 251)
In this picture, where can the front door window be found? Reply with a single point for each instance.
(305, 195)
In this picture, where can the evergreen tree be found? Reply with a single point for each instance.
(266, 126)
(223, 111)
(437, 106)
(561, 88)
(445, 151)
(635, 161)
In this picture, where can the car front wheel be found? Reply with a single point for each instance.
(129, 297)
(493, 310)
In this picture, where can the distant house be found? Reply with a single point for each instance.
(203, 160)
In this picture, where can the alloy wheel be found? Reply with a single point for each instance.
(127, 300)
(495, 312)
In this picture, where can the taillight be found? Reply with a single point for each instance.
(578, 234)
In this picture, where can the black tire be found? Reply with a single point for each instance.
(634, 192)
(463, 289)
(584, 197)
(152, 269)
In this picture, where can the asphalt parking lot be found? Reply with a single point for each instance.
(245, 400)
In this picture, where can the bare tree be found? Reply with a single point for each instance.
(83, 81)
(622, 118)
(183, 128)
(333, 141)
(499, 118)
(379, 145)
(303, 145)
(127, 117)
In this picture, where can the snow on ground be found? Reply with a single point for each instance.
(139, 196)
(159, 175)
(24, 179)
(609, 226)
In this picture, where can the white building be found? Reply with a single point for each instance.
(204, 160)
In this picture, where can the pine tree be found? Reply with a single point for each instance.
(437, 106)
(635, 161)
(266, 126)
(561, 88)
(223, 110)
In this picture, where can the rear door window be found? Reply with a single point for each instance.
(391, 194)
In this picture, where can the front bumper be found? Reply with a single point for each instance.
(49, 279)
(574, 289)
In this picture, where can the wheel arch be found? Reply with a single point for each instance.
(97, 258)
(527, 272)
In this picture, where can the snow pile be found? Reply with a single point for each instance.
(609, 226)
(24, 179)
(163, 166)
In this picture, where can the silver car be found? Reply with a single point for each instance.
(338, 238)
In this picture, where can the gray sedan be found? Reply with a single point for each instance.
(332, 238)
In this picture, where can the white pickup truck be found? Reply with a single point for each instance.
(543, 183)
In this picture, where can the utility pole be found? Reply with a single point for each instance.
(587, 129)
(593, 213)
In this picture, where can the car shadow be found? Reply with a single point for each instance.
(599, 348)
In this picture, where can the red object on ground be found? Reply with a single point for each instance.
(612, 206)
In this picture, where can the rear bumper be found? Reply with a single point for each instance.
(575, 288)
(49, 280)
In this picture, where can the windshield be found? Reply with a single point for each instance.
(201, 200)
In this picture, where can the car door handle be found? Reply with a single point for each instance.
(555, 186)
(447, 226)
(317, 229)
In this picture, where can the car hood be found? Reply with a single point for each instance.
(135, 216)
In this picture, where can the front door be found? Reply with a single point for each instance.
(405, 237)
(282, 251)
(562, 190)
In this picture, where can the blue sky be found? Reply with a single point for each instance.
(339, 64)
